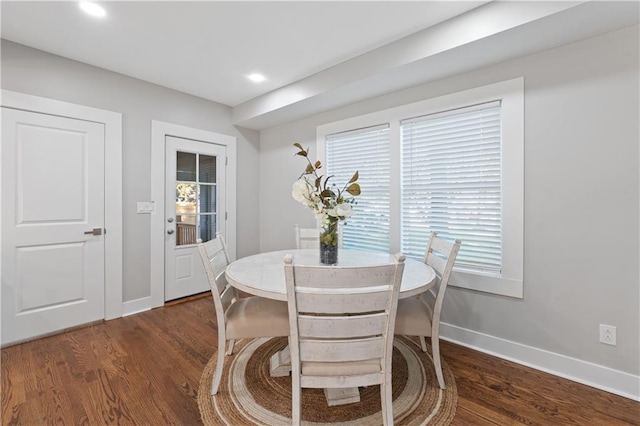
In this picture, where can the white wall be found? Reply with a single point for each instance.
(38, 73)
(581, 198)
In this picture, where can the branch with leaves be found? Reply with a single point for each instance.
(326, 194)
(330, 204)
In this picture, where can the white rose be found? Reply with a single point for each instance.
(300, 191)
(344, 210)
(321, 216)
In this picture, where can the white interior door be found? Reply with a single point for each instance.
(52, 223)
(195, 209)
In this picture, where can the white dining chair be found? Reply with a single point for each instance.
(420, 316)
(342, 321)
(237, 318)
(309, 238)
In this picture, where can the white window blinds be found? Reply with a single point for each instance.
(367, 151)
(451, 183)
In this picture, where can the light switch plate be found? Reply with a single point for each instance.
(145, 207)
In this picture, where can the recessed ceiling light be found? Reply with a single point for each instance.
(257, 78)
(92, 9)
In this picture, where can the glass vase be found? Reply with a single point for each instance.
(329, 243)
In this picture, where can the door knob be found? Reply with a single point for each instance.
(94, 231)
(170, 231)
(170, 220)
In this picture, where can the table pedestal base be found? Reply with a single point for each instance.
(340, 396)
(280, 363)
(280, 366)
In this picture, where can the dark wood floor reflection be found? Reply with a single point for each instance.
(144, 369)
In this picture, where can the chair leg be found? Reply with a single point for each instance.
(230, 349)
(218, 374)
(435, 344)
(387, 404)
(296, 401)
(423, 343)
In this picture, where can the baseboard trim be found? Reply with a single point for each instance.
(587, 373)
(136, 306)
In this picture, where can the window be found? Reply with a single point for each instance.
(195, 197)
(452, 164)
(451, 184)
(367, 151)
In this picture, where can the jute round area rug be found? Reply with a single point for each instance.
(248, 395)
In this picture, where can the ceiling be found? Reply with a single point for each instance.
(315, 55)
(207, 48)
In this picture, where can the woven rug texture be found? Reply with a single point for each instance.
(248, 395)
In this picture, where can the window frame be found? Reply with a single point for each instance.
(199, 214)
(511, 94)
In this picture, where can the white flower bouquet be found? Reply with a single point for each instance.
(330, 203)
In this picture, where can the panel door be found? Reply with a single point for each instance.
(52, 223)
(195, 210)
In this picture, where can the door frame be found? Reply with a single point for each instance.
(159, 131)
(112, 122)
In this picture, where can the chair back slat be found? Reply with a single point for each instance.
(215, 256)
(215, 261)
(344, 277)
(441, 246)
(341, 326)
(332, 303)
(221, 282)
(219, 263)
(307, 238)
(341, 350)
(437, 263)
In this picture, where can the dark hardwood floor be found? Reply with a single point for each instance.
(144, 369)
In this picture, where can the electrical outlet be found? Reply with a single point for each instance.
(608, 334)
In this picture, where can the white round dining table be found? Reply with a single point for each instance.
(263, 274)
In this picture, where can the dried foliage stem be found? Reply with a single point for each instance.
(330, 204)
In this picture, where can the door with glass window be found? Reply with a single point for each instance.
(195, 210)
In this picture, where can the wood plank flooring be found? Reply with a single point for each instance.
(144, 369)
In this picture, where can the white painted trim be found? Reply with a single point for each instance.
(587, 373)
(159, 130)
(511, 92)
(136, 306)
(113, 181)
